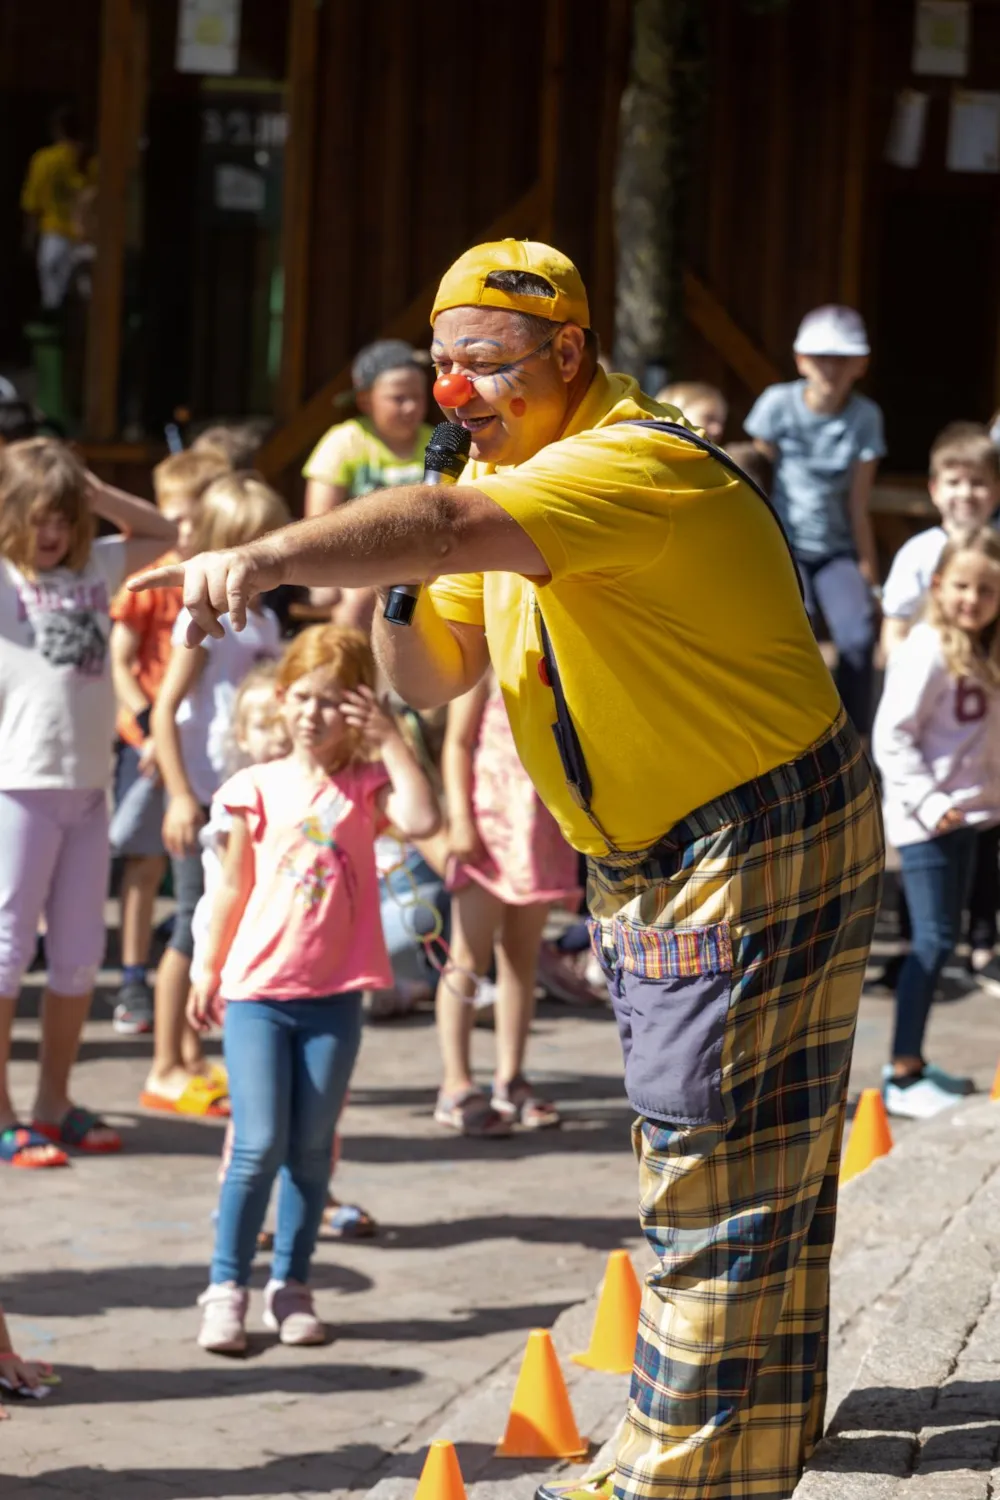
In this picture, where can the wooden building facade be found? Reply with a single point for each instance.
(255, 230)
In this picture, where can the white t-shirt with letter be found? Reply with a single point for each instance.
(57, 702)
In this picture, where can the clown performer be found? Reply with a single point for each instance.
(634, 593)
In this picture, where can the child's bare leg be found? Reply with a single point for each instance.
(141, 879)
(475, 914)
(169, 1075)
(517, 959)
(63, 1020)
(8, 1115)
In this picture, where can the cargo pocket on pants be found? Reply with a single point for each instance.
(671, 1000)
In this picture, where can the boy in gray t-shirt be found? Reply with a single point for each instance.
(825, 441)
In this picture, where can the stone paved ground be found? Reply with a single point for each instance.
(100, 1266)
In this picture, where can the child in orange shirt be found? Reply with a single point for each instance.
(140, 650)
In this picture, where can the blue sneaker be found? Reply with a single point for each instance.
(917, 1099)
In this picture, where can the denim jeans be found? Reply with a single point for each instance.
(936, 878)
(836, 585)
(289, 1065)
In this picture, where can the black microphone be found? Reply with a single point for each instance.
(444, 459)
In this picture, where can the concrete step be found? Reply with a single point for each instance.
(918, 1420)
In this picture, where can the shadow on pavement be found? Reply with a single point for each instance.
(84, 1293)
(355, 1464)
(596, 1234)
(233, 1377)
(875, 1430)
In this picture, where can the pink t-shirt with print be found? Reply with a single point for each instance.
(312, 925)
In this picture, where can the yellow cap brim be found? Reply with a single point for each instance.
(464, 284)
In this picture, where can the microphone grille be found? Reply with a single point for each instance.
(451, 439)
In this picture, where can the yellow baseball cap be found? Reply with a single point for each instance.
(464, 285)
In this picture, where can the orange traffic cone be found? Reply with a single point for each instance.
(616, 1322)
(995, 1090)
(441, 1478)
(870, 1136)
(541, 1422)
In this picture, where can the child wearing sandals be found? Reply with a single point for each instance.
(294, 937)
(508, 866)
(191, 723)
(57, 716)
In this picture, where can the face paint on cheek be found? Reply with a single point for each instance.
(518, 406)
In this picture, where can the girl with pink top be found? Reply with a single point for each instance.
(509, 864)
(294, 937)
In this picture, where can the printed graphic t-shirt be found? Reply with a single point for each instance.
(57, 703)
(312, 926)
(205, 717)
(353, 455)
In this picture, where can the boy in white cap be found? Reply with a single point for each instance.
(825, 441)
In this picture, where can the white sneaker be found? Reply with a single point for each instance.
(224, 1310)
(289, 1312)
(919, 1101)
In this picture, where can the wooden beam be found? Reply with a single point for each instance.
(397, 114)
(704, 310)
(856, 159)
(307, 425)
(618, 15)
(303, 25)
(777, 186)
(549, 113)
(104, 319)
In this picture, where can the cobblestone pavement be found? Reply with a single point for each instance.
(480, 1241)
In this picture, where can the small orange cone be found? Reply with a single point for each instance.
(441, 1478)
(870, 1136)
(541, 1422)
(995, 1090)
(616, 1322)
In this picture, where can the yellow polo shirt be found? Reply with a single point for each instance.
(674, 612)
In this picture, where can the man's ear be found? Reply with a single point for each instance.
(568, 347)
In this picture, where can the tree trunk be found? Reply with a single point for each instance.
(660, 108)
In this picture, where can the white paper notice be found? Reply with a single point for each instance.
(904, 144)
(941, 38)
(974, 132)
(208, 36)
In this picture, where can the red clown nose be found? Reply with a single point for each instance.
(453, 390)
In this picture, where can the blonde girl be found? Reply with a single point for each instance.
(57, 713)
(192, 724)
(294, 938)
(937, 744)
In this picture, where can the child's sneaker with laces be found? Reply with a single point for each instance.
(918, 1098)
(224, 1311)
(289, 1312)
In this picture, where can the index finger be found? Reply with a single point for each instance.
(157, 578)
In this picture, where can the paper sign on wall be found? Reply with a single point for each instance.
(904, 144)
(941, 38)
(208, 36)
(974, 131)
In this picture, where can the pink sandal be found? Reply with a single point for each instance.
(470, 1113)
(518, 1103)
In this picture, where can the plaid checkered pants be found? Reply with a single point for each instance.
(735, 952)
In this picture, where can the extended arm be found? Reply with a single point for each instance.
(859, 507)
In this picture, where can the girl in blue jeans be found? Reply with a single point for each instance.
(294, 937)
(937, 744)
